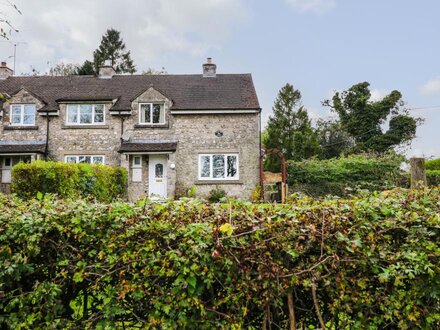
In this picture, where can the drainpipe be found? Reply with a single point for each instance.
(261, 162)
(122, 126)
(46, 148)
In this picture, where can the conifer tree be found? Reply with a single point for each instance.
(289, 129)
(112, 48)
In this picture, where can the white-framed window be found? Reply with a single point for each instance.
(136, 169)
(151, 113)
(85, 114)
(218, 167)
(90, 159)
(22, 115)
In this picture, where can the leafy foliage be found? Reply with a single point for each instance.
(362, 118)
(333, 140)
(373, 263)
(104, 183)
(433, 177)
(433, 164)
(112, 48)
(340, 176)
(216, 195)
(289, 129)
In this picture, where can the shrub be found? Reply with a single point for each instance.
(104, 183)
(216, 195)
(372, 262)
(341, 176)
(433, 164)
(433, 177)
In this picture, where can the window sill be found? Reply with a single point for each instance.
(85, 126)
(218, 182)
(151, 126)
(13, 128)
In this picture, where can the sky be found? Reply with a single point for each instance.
(318, 46)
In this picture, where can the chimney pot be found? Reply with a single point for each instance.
(3, 64)
(209, 68)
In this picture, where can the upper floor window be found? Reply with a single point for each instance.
(85, 114)
(151, 113)
(23, 114)
(218, 167)
(95, 159)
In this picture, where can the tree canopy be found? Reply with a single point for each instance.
(363, 118)
(112, 48)
(289, 129)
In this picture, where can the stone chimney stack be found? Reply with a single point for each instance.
(5, 72)
(106, 71)
(209, 68)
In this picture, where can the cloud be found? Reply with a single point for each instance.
(314, 6)
(432, 87)
(378, 94)
(152, 30)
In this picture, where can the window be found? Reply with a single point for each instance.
(218, 167)
(85, 114)
(137, 169)
(85, 159)
(23, 114)
(150, 113)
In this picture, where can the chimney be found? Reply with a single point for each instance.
(5, 72)
(209, 68)
(106, 71)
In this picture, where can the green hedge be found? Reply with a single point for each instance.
(340, 176)
(433, 177)
(372, 262)
(433, 164)
(104, 183)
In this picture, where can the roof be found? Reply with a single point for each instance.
(22, 147)
(187, 92)
(148, 146)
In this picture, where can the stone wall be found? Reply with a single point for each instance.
(195, 134)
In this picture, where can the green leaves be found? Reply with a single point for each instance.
(72, 264)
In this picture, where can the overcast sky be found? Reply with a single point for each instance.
(317, 45)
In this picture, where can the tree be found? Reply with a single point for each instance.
(333, 140)
(87, 68)
(63, 69)
(363, 118)
(289, 129)
(112, 48)
(151, 71)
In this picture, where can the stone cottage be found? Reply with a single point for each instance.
(171, 132)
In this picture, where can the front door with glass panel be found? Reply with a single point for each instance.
(6, 169)
(157, 177)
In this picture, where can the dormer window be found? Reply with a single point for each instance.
(85, 114)
(22, 115)
(151, 114)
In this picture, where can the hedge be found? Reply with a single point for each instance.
(104, 183)
(433, 164)
(371, 262)
(340, 176)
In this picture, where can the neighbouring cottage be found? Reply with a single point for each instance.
(170, 132)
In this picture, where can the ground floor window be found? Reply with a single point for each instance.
(218, 167)
(90, 159)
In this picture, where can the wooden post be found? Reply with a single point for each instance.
(418, 173)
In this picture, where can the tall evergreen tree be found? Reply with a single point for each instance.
(289, 129)
(112, 48)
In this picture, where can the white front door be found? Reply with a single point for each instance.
(6, 170)
(157, 175)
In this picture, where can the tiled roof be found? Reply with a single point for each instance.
(150, 146)
(188, 92)
(22, 147)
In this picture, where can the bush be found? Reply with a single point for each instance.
(104, 183)
(433, 177)
(433, 164)
(373, 262)
(216, 195)
(341, 176)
